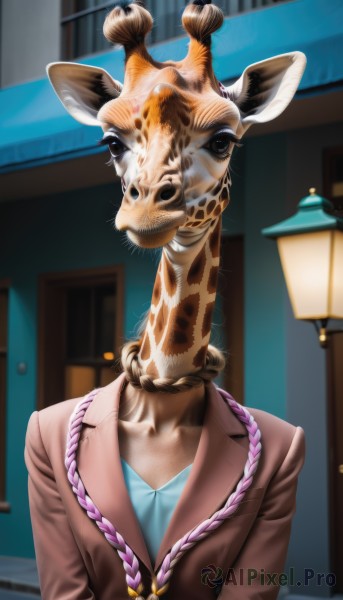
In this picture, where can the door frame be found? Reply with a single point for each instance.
(231, 290)
(5, 507)
(334, 459)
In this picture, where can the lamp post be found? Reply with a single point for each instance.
(310, 245)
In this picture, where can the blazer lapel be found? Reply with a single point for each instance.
(100, 467)
(217, 468)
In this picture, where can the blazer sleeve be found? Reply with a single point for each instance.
(265, 549)
(62, 572)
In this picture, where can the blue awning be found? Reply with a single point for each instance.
(35, 129)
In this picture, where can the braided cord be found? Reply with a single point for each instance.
(206, 527)
(129, 559)
(126, 554)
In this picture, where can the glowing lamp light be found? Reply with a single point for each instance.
(108, 356)
(310, 245)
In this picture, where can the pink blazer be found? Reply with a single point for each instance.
(75, 561)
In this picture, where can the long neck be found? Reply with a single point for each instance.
(178, 328)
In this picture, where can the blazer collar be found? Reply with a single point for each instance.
(217, 468)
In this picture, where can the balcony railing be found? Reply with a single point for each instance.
(82, 28)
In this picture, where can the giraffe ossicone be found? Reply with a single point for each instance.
(171, 128)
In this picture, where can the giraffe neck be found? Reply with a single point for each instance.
(178, 328)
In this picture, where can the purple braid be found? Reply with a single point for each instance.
(130, 561)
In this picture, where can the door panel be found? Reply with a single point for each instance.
(231, 289)
(335, 374)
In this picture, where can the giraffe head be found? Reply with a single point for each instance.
(171, 127)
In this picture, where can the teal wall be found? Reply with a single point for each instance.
(265, 369)
(74, 231)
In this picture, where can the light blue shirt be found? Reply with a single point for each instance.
(153, 508)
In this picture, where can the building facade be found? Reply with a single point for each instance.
(71, 292)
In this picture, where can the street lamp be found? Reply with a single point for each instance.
(310, 245)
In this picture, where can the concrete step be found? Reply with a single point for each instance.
(13, 595)
(19, 574)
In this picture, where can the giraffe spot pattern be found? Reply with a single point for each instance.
(200, 357)
(224, 194)
(196, 271)
(156, 295)
(138, 124)
(169, 277)
(199, 214)
(212, 280)
(180, 334)
(210, 207)
(161, 320)
(224, 197)
(207, 322)
(185, 119)
(214, 241)
(217, 189)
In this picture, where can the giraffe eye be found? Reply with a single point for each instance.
(115, 145)
(219, 144)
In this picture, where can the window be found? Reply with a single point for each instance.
(4, 506)
(82, 21)
(80, 332)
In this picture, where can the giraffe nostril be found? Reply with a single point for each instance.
(134, 193)
(167, 193)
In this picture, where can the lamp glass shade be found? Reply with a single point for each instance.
(313, 269)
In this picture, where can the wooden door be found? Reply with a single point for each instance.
(333, 190)
(335, 378)
(4, 290)
(231, 290)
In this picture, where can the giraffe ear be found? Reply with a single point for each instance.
(82, 89)
(266, 88)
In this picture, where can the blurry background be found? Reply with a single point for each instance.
(71, 292)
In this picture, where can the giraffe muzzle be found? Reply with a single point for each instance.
(152, 214)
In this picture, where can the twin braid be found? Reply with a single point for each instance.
(129, 559)
(215, 363)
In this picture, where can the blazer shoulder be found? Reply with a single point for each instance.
(57, 414)
(51, 424)
(283, 440)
